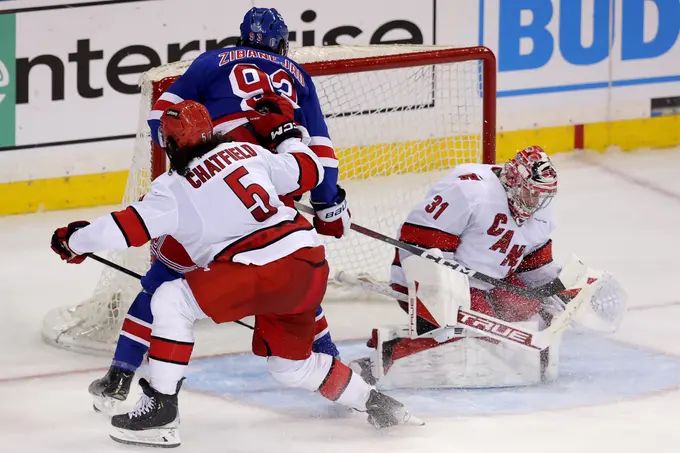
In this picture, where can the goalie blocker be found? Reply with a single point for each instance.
(469, 349)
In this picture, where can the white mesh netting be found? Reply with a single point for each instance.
(394, 131)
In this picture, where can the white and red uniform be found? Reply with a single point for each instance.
(227, 214)
(466, 215)
(256, 256)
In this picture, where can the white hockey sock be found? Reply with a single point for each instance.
(332, 378)
(172, 337)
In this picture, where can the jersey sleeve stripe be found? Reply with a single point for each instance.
(166, 100)
(538, 258)
(170, 351)
(320, 140)
(427, 237)
(132, 226)
(171, 98)
(323, 151)
(328, 162)
(308, 177)
(336, 380)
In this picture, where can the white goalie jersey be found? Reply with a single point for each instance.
(466, 215)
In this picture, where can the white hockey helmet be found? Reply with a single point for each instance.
(530, 181)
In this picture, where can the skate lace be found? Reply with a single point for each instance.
(143, 406)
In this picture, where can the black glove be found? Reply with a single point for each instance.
(274, 124)
(60, 242)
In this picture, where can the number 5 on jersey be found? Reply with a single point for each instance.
(248, 193)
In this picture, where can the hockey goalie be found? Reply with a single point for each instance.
(463, 332)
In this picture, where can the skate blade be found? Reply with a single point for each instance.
(157, 437)
(106, 406)
(412, 420)
(405, 420)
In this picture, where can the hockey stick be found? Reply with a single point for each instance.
(124, 270)
(549, 289)
(470, 319)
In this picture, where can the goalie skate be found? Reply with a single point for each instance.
(110, 390)
(153, 422)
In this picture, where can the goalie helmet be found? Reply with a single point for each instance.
(264, 28)
(530, 181)
(185, 126)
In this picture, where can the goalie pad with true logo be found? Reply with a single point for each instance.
(455, 357)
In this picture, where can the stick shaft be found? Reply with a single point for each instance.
(549, 289)
(124, 270)
(114, 265)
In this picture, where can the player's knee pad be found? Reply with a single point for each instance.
(173, 312)
(307, 374)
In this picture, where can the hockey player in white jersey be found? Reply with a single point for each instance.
(494, 219)
(256, 257)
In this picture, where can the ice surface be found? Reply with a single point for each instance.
(617, 211)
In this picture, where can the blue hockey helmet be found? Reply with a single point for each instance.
(264, 28)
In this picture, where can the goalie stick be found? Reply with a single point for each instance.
(124, 270)
(551, 288)
(479, 322)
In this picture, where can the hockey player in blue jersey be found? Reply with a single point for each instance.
(228, 82)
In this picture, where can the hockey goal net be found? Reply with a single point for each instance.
(397, 115)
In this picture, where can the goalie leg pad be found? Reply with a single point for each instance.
(434, 292)
(462, 360)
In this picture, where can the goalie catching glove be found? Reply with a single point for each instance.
(274, 124)
(332, 219)
(60, 242)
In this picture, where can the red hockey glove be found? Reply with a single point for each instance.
(332, 219)
(274, 124)
(60, 242)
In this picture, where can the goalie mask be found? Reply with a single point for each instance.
(264, 28)
(530, 181)
(184, 127)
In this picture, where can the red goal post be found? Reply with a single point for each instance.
(398, 117)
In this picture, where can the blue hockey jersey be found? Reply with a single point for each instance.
(228, 80)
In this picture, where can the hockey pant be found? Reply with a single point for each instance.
(135, 334)
(283, 296)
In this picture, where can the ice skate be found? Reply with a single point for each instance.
(384, 411)
(153, 422)
(108, 391)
